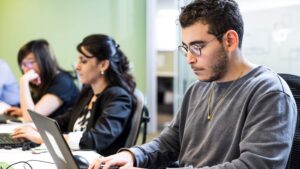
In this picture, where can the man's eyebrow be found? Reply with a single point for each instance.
(194, 42)
(197, 42)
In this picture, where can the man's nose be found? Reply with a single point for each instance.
(190, 58)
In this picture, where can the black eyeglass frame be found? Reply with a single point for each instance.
(196, 48)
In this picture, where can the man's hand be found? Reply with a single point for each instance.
(124, 160)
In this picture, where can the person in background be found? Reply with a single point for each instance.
(101, 119)
(44, 86)
(237, 115)
(9, 89)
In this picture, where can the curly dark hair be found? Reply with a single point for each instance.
(104, 47)
(220, 15)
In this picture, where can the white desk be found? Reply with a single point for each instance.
(16, 155)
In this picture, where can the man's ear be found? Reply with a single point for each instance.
(231, 40)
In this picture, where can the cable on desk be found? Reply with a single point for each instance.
(19, 163)
(40, 161)
(27, 163)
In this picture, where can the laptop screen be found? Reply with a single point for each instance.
(54, 141)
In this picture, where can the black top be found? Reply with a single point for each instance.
(109, 123)
(63, 87)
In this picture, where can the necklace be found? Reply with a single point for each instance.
(220, 99)
(90, 105)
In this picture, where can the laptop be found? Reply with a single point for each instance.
(5, 118)
(57, 145)
(7, 142)
(54, 141)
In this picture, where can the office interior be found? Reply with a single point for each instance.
(148, 32)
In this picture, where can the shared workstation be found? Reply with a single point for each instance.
(215, 82)
(19, 155)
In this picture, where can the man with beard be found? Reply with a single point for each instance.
(237, 115)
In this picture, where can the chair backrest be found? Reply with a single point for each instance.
(140, 117)
(294, 83)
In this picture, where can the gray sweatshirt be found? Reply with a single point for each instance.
(252, 127)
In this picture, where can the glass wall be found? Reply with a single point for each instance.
(271, 38)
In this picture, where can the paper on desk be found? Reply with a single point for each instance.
(40, 149)
(3, 107)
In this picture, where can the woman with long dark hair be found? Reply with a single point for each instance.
(101, 120)
(43, 84)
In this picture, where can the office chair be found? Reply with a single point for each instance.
(140, 118)
(294, 83)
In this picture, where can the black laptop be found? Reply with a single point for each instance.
(6, 141)
(4, 119)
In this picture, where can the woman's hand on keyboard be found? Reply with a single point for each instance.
(27, 132)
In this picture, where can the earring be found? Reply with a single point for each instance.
(102, 72)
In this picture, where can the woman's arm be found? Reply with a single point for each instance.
(46, 105)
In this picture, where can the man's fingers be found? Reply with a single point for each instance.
(97, 163)
(127, 166)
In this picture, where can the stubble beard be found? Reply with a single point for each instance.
(220, 68)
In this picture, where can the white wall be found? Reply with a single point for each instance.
(272, 36)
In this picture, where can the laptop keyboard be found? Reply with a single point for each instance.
(4, 118)
(6, 141)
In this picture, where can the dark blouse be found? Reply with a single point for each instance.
(63, 87)
(109, 122)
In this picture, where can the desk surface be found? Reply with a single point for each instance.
(16, 155)
(8, 128)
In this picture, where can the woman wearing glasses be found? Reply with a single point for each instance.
(44, 86)
(101, 119)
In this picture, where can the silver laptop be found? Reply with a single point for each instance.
(55, 142)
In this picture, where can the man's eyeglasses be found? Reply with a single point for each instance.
(28, 64)
(195, 48)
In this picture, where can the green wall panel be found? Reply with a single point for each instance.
(65, 23)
